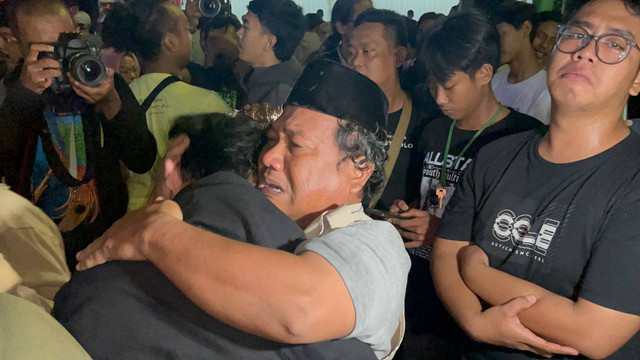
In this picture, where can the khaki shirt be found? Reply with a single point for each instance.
(32, 258)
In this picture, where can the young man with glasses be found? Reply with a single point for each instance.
(544, 225)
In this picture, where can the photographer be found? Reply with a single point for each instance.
(85, 132)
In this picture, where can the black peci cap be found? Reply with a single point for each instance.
(333, 89)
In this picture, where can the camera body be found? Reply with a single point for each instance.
(213, 8)
(77, 57)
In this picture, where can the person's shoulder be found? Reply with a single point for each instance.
(518, 122)
(508, 145)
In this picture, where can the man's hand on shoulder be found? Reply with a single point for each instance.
(500, 325)
(38, 74)
(128, 237)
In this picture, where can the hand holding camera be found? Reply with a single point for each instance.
(38, 73)
(71, 64)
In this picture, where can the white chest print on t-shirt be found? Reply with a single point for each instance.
(516, 228)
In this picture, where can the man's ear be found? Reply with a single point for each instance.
(527, 28)
(484, 74)
(170, 42)
(401, 55)
(271, 41)
(635, 86)
(359, 176)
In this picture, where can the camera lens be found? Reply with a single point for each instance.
(87, 69)
(213, 8)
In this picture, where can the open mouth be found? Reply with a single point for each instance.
(269, 187)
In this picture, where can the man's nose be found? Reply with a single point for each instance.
(273, 156)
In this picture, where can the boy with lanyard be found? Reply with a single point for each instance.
(553, 215)
(459, 56)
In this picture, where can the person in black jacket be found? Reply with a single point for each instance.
(83, 135)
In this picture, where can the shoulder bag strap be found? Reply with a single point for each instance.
(395, 147)
(146, 104)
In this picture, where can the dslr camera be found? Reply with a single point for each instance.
(77, 57)
(211, 8)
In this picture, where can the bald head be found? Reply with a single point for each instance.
(37, 21)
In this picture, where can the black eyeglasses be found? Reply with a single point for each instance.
(610, 48)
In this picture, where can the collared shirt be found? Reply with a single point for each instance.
(335, 219)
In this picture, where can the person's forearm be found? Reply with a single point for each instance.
(553, 317)
(262, 291)
(461, 302)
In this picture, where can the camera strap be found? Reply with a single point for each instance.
(443, 169)
(395, 147)
(146, 104)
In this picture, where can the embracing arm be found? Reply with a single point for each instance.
(594, 330)
(270, 293)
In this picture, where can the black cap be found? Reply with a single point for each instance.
(330, 88)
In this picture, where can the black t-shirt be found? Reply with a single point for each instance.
(401, 184)
(573, 229)
(432, 147)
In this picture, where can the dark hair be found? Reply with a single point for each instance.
(633, 6)
(284, 20)
(32, 7)
(412, 32)
(545, 16)
(219, 22)
(139, 27)
(572, 6)
(395, 28)
(312, 20)
(410, 12)
(461, 42)
(342, 12)
(516, 13)
(218, 142)
(429, 16)
(365, 149)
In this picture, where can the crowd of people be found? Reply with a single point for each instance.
(176, 184)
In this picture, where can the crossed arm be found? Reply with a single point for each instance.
(520, 308)
(594, 330)
(270, 293)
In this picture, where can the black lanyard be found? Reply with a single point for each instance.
(443, 170)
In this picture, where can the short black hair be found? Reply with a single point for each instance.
(429, 16)
(312, 20)
(139, 27)
(461, 42)
(545, 16)
(410, 12)
(218, 142)
(342, 12)
(284, 20)
(516, 13)
(218, 22)
(412, 32)
(572, 6)
(395, 28)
